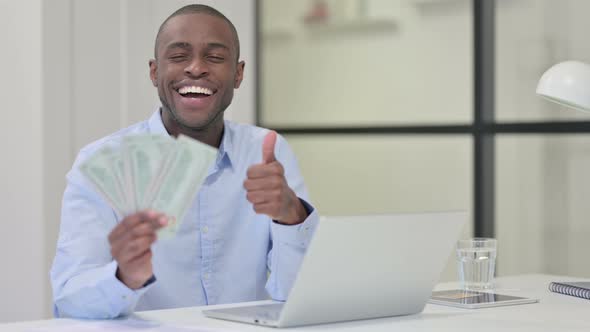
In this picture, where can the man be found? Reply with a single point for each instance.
(249, 218)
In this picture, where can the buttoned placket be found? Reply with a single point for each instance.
(207, 237)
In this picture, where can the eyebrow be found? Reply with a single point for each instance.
(186, 46)
(182, 45)
(217, 45)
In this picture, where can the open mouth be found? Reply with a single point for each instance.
(196, 92)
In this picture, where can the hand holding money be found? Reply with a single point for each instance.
(267, 188)
(131, 242)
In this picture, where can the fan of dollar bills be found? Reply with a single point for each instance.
(151, 172)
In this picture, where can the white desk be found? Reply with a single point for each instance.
(555, 312)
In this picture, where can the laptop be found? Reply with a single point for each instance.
(361, 267)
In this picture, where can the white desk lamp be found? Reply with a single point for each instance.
(567, 83)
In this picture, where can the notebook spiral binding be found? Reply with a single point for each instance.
(557, 287)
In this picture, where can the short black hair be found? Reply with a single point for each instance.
(200, 9)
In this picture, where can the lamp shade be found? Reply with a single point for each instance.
(567, 83)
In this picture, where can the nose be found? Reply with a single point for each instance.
(196, 68)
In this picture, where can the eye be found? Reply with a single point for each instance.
(216, 58)
(178, 57)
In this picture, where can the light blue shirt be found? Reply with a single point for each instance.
(222, 253)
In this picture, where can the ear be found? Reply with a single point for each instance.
(239, 74)
(154, 72)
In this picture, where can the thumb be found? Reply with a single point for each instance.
(268, 147)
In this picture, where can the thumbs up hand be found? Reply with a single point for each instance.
(267, 188)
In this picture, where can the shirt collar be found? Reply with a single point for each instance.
(155, 123)
(226, 148)
(224, 155)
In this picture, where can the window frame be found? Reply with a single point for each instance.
(483, 129)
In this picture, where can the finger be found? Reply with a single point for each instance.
(268, 147)
(132, 249)
(263, 196)
(266, 183)
(122, 228)
(129, 222)
(264, 170)
(155, 219)
(137, 230)
(150, 218)
(270, 209)
(120, 248)
(141, 230)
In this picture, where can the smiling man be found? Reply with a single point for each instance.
(247, 230)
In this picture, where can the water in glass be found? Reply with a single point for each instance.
(476, 267)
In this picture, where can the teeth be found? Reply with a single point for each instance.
(194, 89)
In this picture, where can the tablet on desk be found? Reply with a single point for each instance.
(474, 300)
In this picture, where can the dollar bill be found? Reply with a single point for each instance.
(151, 172)
(145, 156)
(180, 180)
(99, 169)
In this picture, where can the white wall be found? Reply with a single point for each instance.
(57, 148)
(22, 281)
(73, 71)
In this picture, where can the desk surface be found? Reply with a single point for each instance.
(555, 312)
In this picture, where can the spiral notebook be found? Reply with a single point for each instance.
(578, 289)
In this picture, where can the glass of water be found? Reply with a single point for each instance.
(476, 261)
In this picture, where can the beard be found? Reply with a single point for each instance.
(186, 125)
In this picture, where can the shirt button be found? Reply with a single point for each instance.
(205, 229)
(206, 276)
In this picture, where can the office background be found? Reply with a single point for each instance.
(380, 106)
